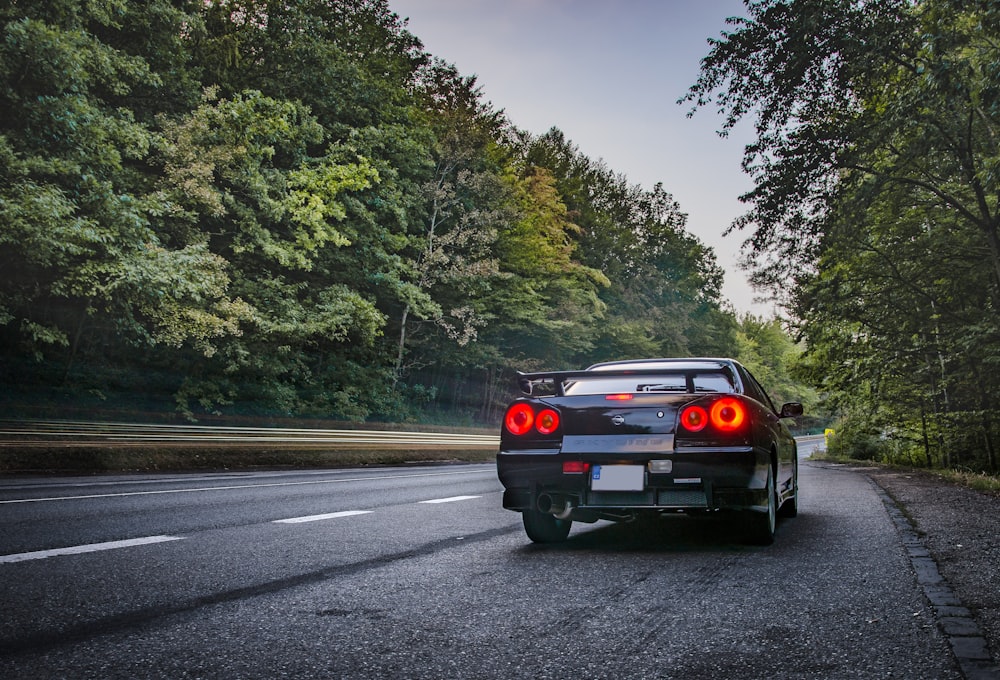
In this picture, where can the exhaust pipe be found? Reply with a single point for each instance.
(562, 507)
(567, 511)
(557, 505)
(545, 503)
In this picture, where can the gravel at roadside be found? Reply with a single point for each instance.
(961, 529)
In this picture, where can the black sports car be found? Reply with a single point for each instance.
(627, 438)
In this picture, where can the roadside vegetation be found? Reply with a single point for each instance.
(874, 217)
(980, 481)
(243, 210)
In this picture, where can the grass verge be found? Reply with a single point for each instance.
(980, 481)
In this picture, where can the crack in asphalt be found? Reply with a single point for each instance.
(137, 620)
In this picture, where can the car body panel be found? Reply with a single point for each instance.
(627, 414)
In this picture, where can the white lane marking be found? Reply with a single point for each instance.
(233, 487)
(93, 547)
(451, 500)
(316, 518)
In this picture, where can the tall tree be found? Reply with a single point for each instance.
(450, 263)
(663, 292)
(874, 168)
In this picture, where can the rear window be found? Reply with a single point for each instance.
(676, 383)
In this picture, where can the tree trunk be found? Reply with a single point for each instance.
(991, 454)
(76, 343)
(927, 443)
(397, 372)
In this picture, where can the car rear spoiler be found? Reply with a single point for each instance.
(528, 382)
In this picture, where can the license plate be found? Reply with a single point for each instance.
(617, 477)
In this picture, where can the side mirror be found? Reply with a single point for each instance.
(791, 410)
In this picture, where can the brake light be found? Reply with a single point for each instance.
(694, 418)
(575, 467)
(519, 419)
(728, 414)
(725, 415)
(547, 421)
(618, 397)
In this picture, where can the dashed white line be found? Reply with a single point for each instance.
(317, 518)
(450, 500)
(148, 540)
(93, 547)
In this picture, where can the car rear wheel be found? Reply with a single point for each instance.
(545, 528)
(760, 525)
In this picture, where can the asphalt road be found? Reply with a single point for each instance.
(419, 573)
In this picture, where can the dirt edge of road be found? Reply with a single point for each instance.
(958, 528)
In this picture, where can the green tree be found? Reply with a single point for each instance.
(351, 61)
(772, 356)
(663, 293)
(875, 202)
(549, 302)
(450, 262)
(79, 253)
(291, 207)
(238, 179)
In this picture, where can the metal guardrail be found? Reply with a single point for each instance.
(83, 434)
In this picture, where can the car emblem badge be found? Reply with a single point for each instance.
(618, 420)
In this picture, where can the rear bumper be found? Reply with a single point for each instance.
(725, 478)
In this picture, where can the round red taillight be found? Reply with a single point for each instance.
(728, 414)
(694, 418)
(519, 419)
(547, 421)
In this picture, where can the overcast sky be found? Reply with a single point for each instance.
(608, 73)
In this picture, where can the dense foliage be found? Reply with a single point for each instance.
(255, 206)
(874, 215)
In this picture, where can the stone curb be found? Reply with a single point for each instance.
(954, 619)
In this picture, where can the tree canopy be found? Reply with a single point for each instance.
(874, 215)
(250, 206)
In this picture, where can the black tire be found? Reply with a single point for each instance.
(545, 528)
(761, 525)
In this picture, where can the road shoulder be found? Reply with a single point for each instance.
(960, 528)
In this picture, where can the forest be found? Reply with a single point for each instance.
(252, 207)
(263, 208)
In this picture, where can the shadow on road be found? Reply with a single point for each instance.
(674, 533)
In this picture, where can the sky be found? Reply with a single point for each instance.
(608, 73)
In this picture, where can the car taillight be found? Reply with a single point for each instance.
(728, 414)
(521, 419)
(575, 467)
(725, 415)
(547, 421)
(694, 418)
